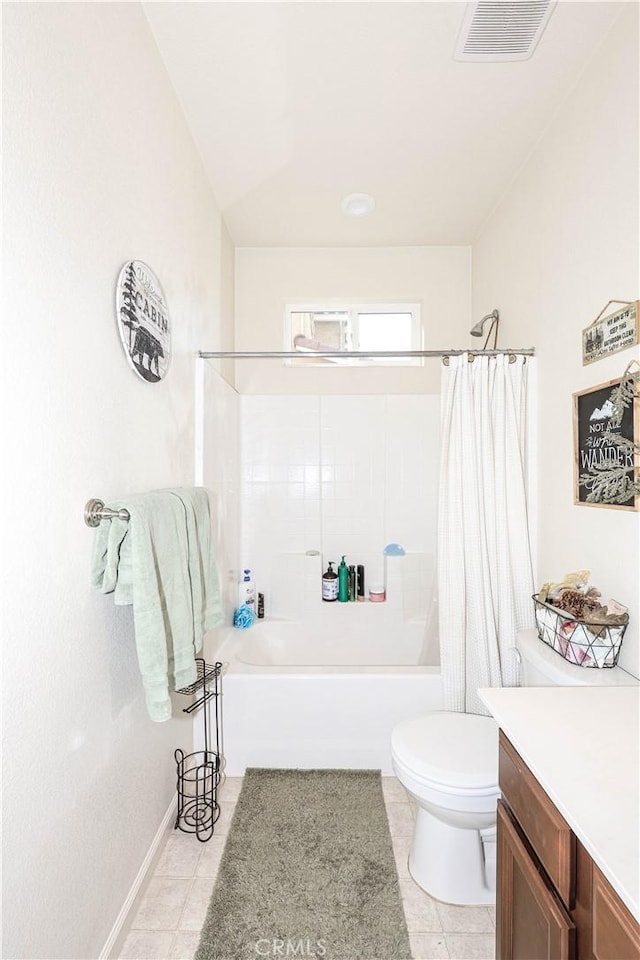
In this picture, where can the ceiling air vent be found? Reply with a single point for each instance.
(502, 30)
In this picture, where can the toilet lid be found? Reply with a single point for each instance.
(451, 749)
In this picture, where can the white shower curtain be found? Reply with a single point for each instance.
(485, 578)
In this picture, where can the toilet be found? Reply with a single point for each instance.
(448, 763)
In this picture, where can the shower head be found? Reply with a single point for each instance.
(478, 330)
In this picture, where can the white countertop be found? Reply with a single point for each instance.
(582, 745)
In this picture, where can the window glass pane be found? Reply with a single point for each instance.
(384, 331)
(330, 329)
(320, 330)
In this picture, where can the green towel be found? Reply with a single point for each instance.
(205, 590)
(162, 562)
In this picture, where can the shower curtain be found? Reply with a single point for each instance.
(485, 578)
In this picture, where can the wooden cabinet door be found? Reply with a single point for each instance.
(546, 830)
(615, 934)
(532, 924)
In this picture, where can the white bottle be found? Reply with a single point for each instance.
(247, 591)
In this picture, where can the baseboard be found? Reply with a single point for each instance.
(123, 918)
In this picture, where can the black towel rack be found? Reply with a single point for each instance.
(198, 773)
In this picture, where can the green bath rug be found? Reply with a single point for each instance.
(307, 872)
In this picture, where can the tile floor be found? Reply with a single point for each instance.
(167, 924)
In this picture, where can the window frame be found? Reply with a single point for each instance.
(353, 309)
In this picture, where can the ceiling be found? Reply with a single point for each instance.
(294, 105)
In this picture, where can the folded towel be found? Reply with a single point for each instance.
(162, 562)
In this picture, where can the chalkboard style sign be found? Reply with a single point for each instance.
(592, 410)
(143, 321)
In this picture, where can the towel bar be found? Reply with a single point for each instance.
(95, 511)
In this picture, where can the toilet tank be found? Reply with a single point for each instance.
(540, 666)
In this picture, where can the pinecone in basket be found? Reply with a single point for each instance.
(576, 603)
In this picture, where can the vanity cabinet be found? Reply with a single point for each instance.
(531, 920)
(553, 903)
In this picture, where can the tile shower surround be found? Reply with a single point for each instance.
(339, 474)
(220, 466)
(171, 913)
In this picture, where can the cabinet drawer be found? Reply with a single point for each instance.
(545, 828)
(615, 934)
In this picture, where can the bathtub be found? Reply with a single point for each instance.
(326, 694)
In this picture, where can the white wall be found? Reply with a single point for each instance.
(267, 279)
(563, 241)
(99, 168)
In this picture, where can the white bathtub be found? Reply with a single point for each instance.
(325, 695)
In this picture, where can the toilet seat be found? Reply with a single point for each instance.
(454, 751)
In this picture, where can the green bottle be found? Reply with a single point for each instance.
(343, 581)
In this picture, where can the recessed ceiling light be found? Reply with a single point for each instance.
(358, 204)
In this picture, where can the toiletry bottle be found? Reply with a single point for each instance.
(343, 581)
(352, 582)
(361, 594)
(261, 606)
(247, 591)
(330, 583)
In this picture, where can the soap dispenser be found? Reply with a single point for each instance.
(343, 581)
(330, 583)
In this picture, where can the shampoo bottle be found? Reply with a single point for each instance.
(343, 581)
(352, 582)
(247, 591)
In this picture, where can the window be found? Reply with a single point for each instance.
(320, 328)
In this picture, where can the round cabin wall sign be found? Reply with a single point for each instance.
(143, 321)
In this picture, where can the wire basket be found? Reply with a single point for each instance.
(587, 643)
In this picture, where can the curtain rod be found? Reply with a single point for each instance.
(351, 354)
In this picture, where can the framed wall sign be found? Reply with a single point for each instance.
(610, 334)
(592, 410)
(143, 321)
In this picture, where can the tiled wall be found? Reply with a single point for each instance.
(339, 474)
(221, 477)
